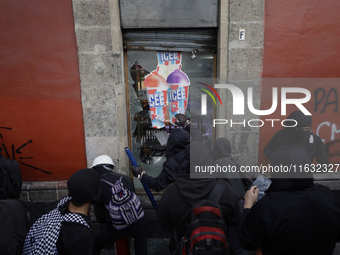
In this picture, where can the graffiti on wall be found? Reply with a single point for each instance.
(326, 101)
(41, 112)
(11, 152)
(323, 105)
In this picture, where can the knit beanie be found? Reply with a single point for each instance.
(301, 119)
(83, 186)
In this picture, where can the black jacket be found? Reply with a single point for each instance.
(295, 217)
(290, 136)
(177, 142)
(174, 208)
(75, 238)
(301, 221)
(14, 226)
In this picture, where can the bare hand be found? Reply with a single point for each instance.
(250, 197)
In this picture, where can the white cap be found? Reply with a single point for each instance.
(102, 159)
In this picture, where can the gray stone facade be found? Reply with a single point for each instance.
(240, 64)
(100, 53)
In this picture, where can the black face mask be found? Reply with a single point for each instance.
(302, 133)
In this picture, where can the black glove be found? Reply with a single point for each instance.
(182, 120)
(136, 170)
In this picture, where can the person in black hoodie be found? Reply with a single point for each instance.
(177, 142)
(222, 157)
(175, 207)
(14, 226)
(300, 135)
(239, 181)
(107, 234)
(296, 216)
(67, 229)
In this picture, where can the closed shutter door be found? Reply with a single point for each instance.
(171, 39)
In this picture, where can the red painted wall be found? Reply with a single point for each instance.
(302, 40)
(41, 122)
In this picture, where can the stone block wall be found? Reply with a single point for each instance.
(240, 64)
(100, 53)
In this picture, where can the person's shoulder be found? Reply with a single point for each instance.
(170, 189)
(74, 236)
(173, 190)
(226, 184)
(316, 138)
(113, 177)
(169, 197)
(267, 203)
(175, 158)
(327, 191)
(281, 132)
(77, 221)
(225, 161)
(228, 191)
(12, 204)
(276, 201)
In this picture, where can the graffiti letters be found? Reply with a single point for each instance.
(4, 128)
(327, 100)
(324, 101)
(330, 126)
(333, 145)
(11, 152)
(332, 148)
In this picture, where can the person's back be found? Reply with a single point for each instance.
(116, 223)
(299, 135)
(177, 142)
(301, 222)
(222, 157)
(295, 217)
(67, 229)
(10, 179)
(102, 214)
(175, 207)
(14, 227)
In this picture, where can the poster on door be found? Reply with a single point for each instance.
(168, 89)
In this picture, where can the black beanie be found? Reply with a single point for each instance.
(293, 158)
(83, 186)
(301, 119)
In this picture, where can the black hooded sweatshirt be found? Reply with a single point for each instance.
(222, 157)
(101, 212)
(175, 207)
(177, 142)
(306, 139)
(295, 217)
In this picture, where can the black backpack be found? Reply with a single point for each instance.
(14, 227)
(206, 233)
(10, 179)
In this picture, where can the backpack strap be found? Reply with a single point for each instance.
(110, 183)
(217, 191)
(107, 182)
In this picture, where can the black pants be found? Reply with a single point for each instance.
(108, 235)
